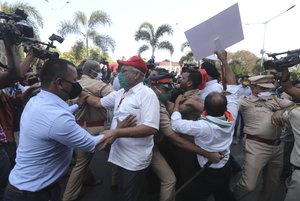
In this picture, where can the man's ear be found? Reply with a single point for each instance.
(58, 82)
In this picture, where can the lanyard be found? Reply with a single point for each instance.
(121, 100)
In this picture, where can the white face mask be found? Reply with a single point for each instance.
(265, 95)
(99, 76)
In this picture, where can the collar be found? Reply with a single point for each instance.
(222, 121)
(211, 82)
(134, 89)
(56, 99)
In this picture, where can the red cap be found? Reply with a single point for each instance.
(136, 62)
(204, 78)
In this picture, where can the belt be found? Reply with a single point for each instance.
(295, 167)
(48, 188)
(90, 123)
(263, 140)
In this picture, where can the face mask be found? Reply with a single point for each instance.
(265, 95)
(245, 84)
(122, 80)
(163, 96)
(75, 91)
(99, 75)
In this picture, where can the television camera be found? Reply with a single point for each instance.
(14, 29)
(292, 58)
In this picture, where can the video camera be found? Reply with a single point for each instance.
(292, 58)
(43, 53)
(13, 29)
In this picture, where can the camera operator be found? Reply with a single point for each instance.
(14, 72)
(292, 116)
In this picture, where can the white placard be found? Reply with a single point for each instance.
(216, 33)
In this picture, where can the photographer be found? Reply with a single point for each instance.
(292, 115)
(15, 71)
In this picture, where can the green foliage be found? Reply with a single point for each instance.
(147, 33)
(78, 51)
(243, 62)
(86, 27)
(295, 72)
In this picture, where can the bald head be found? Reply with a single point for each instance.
(90, 67)
(215, 104)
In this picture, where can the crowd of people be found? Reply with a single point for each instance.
(176, 129)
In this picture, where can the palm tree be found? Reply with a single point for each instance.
(81, 25)
(147, 33)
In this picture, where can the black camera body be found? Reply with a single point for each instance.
(13, 29)
(17, 32)
(292, 58)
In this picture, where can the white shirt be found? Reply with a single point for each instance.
(211, 86)
(133, 153)
(244, 91)
(212, 137)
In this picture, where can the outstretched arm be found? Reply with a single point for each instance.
(214, 157)
(287, 84)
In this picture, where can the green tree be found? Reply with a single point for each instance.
(78, 51)
(147, 33)
(86, 27)
(247, 61)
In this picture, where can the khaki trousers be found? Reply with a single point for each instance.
(260, 157)
(167, 178)
(83, 160)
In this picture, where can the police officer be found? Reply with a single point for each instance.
(91, 119)
(263, 148)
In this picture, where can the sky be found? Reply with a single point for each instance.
(282, 32)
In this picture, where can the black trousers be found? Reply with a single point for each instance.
(50, 193)
(213, 182)
(130, 184)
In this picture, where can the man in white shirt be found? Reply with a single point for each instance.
(131, 148)
(212, 83)
(213, 133)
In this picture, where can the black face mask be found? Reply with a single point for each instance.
(75, 91)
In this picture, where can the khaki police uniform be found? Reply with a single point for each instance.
(293, 182)
(263, 148)
(94, 121)
(188, 164)
(159, 164)
(187, 111)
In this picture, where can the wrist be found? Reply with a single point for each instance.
(285, 79)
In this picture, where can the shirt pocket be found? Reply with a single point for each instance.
(260, 109)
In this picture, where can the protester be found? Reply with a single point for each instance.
(213, 133)
(92, 120)
(48, 131)
(263, 147)
(212, 82)
(161, 83)
(131, 148)
(244, 86)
